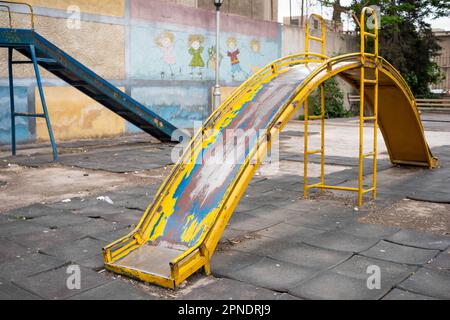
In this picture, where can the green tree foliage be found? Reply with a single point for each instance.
(406, 39)
(334, 101)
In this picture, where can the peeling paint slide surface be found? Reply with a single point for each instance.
(192, 203)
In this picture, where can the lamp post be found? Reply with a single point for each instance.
(217, 94)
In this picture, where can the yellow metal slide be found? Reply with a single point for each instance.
(180, 230)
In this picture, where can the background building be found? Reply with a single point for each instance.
(443, 61)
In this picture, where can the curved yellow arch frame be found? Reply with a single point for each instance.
(175, 239)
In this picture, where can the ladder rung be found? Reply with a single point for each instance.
(21, 62)
(315, 118)
(314, 151)
(46, 60)
(368, 155)
(315, 38)
(368, 190)
(368, 34)
(370, 118)
(29, 115)
(370, 81)
(332, 187)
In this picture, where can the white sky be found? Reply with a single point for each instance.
(313, 6)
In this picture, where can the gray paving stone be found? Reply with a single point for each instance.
(228, 289)
(5, 219)
(260, 187)
(368, 230)
(33, 211)
(16, 228)
(272, 213)
(9, 291)
(28, 265)
(289, 232)
(400, 253)
(391, 273)
(273, 274)
(78, 250)
(46, 238)
(126, 218)
(255, 246)
(429, 282)
(74, 203)
(10, 249)
(305, 255)
(420, 239)
(101, 209)
(111, 236)
(114, 290)
(224, 263)
(230, 234)
(95, 226)
(61, 220)
(133, 202)
(246, 205)
(248, 222)
(95, 263)
(53, 284)
(287, 297)
(398, 294)
(334, 286)
(441, 262)
(341, 241)
(328, 220)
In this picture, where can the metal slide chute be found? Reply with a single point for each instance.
(180, 230)
(177, 235)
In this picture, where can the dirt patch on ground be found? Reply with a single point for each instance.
(423, 216)
(23, 186)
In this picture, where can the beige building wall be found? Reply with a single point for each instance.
(443, 60)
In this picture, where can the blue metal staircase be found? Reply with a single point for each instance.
(45, 54)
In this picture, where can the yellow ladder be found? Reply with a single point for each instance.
(362, 119)
(321, 117)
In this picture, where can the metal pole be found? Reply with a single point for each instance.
(11, 95)
(44, 104)
(217, 93)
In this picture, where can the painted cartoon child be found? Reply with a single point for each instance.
(255, 48)
(165, 42)
(212, 58)
(196, 50)
(233, 53)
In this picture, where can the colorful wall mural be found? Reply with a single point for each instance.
(171, 52)
(21, 105)
(182, 106)
(162, 53)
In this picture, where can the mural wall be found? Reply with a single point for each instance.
(21, 105)
(174, 46)
(162, 54)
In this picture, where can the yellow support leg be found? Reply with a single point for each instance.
(361, 136)
(305, 151)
